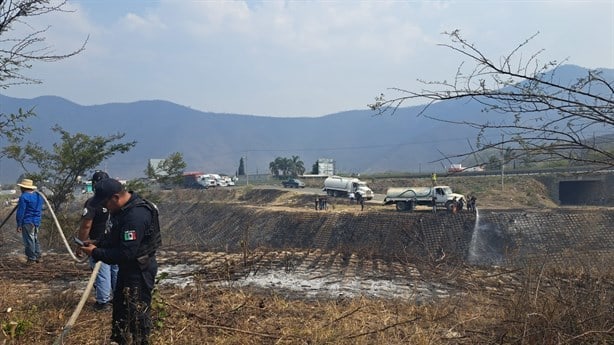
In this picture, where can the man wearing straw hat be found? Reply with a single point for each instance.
(28, 215)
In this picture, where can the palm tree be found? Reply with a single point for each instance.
(274, 168)
(297, 166)
(285, 167)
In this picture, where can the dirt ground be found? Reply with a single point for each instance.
(529, 305)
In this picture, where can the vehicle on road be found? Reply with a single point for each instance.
(457, 168)
(407, 198)
(293, 183)
(194, 179)
(343, 186)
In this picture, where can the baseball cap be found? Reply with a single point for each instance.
(104, 189)
(99, 175)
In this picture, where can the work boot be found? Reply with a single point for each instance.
(102, 306)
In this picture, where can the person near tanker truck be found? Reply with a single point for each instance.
(94, 226)
(361, 201)
(131, 244)
(28, 215)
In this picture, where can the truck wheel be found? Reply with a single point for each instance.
(449, 205)
(401, 206)
(335, 193)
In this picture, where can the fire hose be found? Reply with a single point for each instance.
(90, 283)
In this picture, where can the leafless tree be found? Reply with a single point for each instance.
(21, 45)
(532, 112)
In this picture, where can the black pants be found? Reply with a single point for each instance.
(131, 304)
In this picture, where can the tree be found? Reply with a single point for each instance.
(59, 170)
(279, 166)
(297, 167)
(494, 163)
(314, 168)
(532, 111)
(284, 167)
(169, 170)
(241, 171)
(20, 46)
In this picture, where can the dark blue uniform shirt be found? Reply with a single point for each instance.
(128, 229)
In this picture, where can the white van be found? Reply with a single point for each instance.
(219, 181)
(207, 181)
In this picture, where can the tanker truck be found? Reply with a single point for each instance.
(407, 198)
(342, 186)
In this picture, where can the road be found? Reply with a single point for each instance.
(377, 198)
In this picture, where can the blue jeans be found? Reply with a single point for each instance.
(29, 234)
(105, 281)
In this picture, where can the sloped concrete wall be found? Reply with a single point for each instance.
(559, 236)
(494, 237)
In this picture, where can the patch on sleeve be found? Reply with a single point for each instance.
(129, 235)
(84, 212)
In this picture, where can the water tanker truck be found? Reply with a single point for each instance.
(406, 198)
(343, 186)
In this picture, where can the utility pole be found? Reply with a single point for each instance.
(434, 198)
(502, 161)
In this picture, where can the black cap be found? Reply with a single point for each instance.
(104, 189)
(99, 175)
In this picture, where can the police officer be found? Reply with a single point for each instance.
(132, 245)
(93, 227)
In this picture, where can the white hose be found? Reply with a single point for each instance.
(77, 311)
(90, 283)
(55, 219)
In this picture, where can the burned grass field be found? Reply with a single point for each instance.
(541, 305)
(278, 272)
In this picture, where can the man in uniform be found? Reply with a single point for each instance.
(132, 245)
(93, 228)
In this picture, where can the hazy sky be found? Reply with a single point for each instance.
(295, 58)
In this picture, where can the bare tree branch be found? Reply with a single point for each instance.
(539, 117)
(19, 51)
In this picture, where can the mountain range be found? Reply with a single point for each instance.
(358, 140)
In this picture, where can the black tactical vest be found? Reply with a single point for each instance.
(152, 240)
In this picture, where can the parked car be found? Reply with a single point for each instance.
(293, 183)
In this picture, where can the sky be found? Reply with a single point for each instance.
(295, 58)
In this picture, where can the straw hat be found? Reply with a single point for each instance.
(27, 184)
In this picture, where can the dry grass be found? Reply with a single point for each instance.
(544, 305)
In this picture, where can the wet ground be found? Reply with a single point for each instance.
(299, 274)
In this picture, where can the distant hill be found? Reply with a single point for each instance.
(357, 140)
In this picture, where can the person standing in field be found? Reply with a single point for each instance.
(95, 224)
(132, 245)
(29, 214)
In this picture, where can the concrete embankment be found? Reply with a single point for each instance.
(493, 237)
